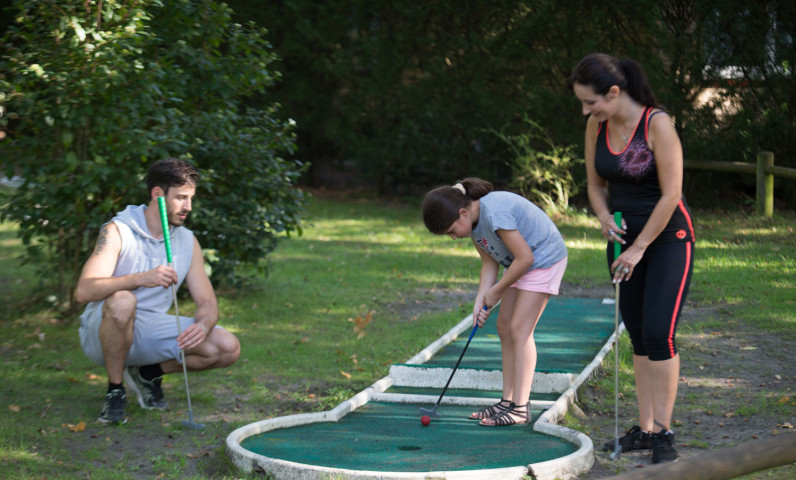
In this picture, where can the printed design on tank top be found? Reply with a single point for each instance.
(483, 243)
(637, 160)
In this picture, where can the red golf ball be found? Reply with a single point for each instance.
(425, 420)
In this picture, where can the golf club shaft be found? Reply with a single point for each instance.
(617, 252)
(457, 364)
(475, 328)
(617, 447)
(182, 352)
(167, 241)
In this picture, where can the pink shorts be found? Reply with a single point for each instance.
(545, 280)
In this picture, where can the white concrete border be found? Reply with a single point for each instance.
(565, 468)
(432, 400)
(249, 462)
(471, 378)
(580, 461)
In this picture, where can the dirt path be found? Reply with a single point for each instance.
(736, 385)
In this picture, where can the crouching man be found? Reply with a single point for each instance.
(127, 284)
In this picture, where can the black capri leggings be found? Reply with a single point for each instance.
(651, 301)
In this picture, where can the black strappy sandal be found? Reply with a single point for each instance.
(502, 406)
(507, 417)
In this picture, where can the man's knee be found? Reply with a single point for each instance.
(227, 347)
(119, 308)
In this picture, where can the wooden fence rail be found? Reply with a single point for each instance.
(764, 170)
(732, 462)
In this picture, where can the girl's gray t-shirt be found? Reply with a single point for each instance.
(509, 211)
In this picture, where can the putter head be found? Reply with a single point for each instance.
(431, 412)
(193, 425)
(617, 450)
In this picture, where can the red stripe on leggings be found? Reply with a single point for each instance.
(687, 219)
(679, 297)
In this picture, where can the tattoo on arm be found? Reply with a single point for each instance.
(101, 241)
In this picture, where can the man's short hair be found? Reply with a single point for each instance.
(171, 172)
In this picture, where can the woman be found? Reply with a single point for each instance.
(634, 165)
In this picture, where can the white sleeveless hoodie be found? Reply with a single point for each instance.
(142, 252)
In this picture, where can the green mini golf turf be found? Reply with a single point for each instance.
(568, 336)
(389, 437)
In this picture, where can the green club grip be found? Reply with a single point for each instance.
(164, 220)
(617, 245)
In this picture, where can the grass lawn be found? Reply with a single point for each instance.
(306, 340)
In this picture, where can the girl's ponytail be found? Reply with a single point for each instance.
(441, 206)
(476, 188)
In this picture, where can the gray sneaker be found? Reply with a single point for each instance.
(113, 410)
(149, 393)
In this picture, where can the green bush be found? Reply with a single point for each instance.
(541, 170)
(95, 91)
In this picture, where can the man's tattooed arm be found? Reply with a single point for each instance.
(102, 241)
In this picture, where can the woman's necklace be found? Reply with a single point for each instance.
(625, 135)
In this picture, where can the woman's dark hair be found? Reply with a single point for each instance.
(601, 71)
(441, 206)
(171, 172)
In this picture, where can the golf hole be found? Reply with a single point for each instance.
(409, 447)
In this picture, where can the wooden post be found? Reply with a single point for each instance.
(765, 185)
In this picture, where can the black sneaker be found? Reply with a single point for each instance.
(663, 447)
(149, 393)
(634, 439)
(113, 410)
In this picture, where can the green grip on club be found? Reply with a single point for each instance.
(164, 219)
(617, 245)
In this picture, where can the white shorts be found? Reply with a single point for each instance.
(155, 337)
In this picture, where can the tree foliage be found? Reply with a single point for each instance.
(93, 92)
(405, 90)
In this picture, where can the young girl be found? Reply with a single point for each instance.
(507, 230)
(634, 165)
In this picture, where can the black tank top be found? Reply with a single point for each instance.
(633, 186)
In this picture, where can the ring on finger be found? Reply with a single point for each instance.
(610, 233)
(626, 269)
